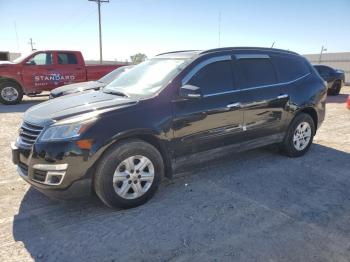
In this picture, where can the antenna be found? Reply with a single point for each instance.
(219, 29)
(15, 25)
(273, 44)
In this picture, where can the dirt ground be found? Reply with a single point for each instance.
(252, 206)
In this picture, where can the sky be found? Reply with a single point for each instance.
(156, 26)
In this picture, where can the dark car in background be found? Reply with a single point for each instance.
(335, 78)
(90, 85)
(121, 140)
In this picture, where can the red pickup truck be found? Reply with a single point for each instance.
(43, 71)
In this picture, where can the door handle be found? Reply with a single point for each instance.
(50, 69)
(282, 96)
(234, 105)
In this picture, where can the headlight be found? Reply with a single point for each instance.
(61, 132)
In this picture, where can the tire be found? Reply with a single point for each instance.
(111, 182)
(10, 93)
(290, 144)
(335, 89)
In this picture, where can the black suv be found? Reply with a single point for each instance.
(121, 141)
(335, 78)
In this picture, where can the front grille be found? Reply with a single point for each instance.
(29, 133)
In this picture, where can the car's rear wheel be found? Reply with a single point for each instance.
(128, 174)
(299, 136)
(335, 89)
(10, 93)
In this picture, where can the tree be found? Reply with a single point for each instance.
(138, 58)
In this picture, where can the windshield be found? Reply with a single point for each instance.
(146, 78)
(113, 75)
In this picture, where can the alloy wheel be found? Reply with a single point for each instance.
(9, 93)
(133, 177)
(302, 136)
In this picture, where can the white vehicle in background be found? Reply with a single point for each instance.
(89, 85)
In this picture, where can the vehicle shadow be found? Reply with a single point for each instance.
(339, 99)
(256, 204)
(23, 106)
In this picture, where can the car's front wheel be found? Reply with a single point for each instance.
(299, 136)
(128, 174)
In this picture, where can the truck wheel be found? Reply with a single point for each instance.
(10, 93)
(299, 136)
(128, 174)
(335, 89)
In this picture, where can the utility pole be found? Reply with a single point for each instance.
(322, 50)
(99, 23)
(31, 44)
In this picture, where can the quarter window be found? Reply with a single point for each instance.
(67, 59)
(290, 68)
(253, 72)
(214, 78)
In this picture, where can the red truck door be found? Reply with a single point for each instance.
(70, 67)
(37, 72)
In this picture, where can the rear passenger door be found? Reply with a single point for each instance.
(69, 70)
(213, 120)
(263, 98)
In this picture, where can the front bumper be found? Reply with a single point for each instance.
(55, 169)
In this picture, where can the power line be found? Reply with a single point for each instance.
(99, 23)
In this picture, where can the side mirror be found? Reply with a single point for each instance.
(30, 62)
(190, 91)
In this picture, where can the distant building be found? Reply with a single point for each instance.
(335, 60)
(8, 56)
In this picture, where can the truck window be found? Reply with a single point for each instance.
(41, 59)
(214, 78)
(67, 59)
(254, 72)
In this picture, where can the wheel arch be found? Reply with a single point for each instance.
(148, 137)
(8, 79)
(311, 112)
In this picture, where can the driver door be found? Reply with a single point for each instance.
(38, 72)
(213, 120)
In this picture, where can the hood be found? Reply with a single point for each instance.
(77, 87)
(6, 63)
(74, 105)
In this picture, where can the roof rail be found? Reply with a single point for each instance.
(177, 52)
(248, 48)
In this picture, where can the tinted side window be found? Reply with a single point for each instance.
(290, 67)
(252, 72)
(214, 78)
(67, 59)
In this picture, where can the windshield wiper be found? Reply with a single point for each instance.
(114, 92)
